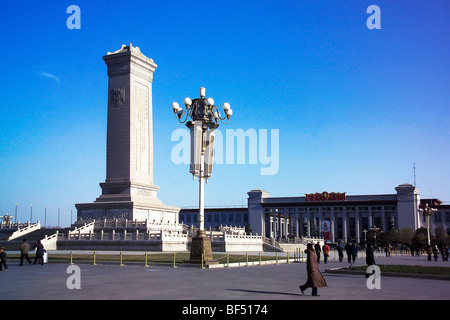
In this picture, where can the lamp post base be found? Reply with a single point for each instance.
(201, 251)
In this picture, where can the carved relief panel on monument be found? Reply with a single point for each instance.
(117, 97)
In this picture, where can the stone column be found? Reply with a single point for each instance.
(319, 231)
(274, 215)
(344, 223)
(357, 217)
(332, 218)
(308, 222)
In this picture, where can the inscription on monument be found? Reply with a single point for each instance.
(141, 104)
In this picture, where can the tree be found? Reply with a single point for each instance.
(420, 237)
(404, 236)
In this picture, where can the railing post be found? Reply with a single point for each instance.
(228, 260)
(276, 257)
(246, 259)
(71, 254)
(260, 258)
(121, 259)
(174, 265)
(146, 260)
(94, 264)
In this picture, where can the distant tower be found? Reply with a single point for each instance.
(128, 191)
(408, 201)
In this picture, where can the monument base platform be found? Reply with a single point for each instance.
(129, 210)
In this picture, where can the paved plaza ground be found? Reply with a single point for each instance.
(262, 283)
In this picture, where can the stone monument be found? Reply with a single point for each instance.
(128, 191)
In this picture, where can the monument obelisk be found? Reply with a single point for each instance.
(128, 191)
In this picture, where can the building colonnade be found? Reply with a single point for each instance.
(345, 223)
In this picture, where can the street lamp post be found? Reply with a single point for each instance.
(375, 230)
(427, 212)
(204, 121)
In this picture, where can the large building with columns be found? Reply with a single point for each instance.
(334, 216)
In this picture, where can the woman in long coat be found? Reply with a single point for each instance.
(315, 279)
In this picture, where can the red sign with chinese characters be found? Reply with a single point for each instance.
(325, 196)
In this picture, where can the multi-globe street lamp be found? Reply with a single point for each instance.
(427, 212)
(375, 229)
(204, 121)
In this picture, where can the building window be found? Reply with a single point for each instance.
(352, 227)
(437, 216)
(245, 217)
(224, 218)
(208, 218)
(339, 228)
(188, 218)
(447, 216)
(195, 218)
(238, 217)
(378, 222)
(182, 217)
(365, 223)
(216, 217)
(230, 218)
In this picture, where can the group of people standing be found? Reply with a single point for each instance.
(25, 247)
(350, 248)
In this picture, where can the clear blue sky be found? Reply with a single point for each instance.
(355, 108)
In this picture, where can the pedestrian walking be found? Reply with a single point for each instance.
(435, 252)
(24, 248)
(326, 252)
(317, 249)
(340, 250)
(39, 252)
(354, 252)
(446, 253)
(315, 278)
(348, 250)
(429, 252)
(442, 250)
(370, 257)
(3, 259)
(388, 250)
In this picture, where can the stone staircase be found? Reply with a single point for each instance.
(32, 238)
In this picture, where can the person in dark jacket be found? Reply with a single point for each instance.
(429, 252)
(315, 278)
(39, 252)
(370, 258)
(348, 250)
(3, 259)
(340, 250)
(317, 251)
(354, 252)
